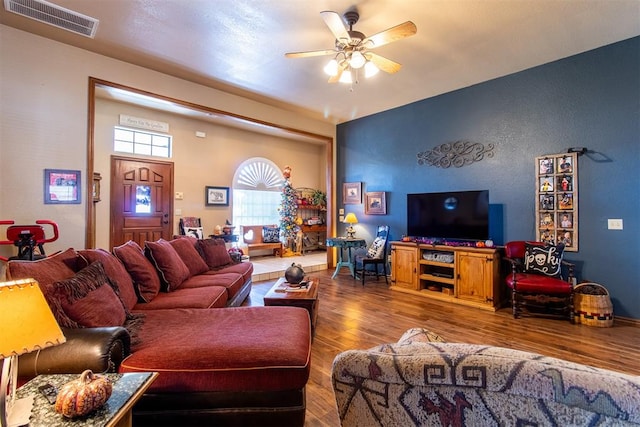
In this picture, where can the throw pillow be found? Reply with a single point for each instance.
(196, 232)
(214, 252)
(271, 234)
(88, 300)
(142, 272)
(377, 248)
(115, 271)
(545, 259)
(46, 271)
(186, 249)
(171, 269)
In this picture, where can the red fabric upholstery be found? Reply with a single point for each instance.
(235, 349)
(186, 249)
(230, 281)
(214, 252)
(516, 249)
(89, 300)
(142, 272)
(539, 284)
(203, 297)
(47, 270)
(244, 268)
(116, 272)
(171, 269)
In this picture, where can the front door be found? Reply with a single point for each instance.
(141, 200)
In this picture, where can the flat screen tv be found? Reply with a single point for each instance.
(454, 215)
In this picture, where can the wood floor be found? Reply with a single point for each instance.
(352, 317)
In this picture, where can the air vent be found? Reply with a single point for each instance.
(55, 15)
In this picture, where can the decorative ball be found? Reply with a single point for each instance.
(488, 243)
(294, 274)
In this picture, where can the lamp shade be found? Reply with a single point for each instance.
(27, 321)
(351, 218)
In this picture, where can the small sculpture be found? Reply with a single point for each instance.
(294, 274)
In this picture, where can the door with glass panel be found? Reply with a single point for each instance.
(141, 200)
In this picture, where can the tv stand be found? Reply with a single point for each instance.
(458, 274)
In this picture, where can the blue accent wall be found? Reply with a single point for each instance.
(589, 100)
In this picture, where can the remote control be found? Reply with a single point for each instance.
(50, 392)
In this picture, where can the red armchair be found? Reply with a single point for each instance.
(536, 281)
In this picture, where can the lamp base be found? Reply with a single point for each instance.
(351, 233)
(20, 412)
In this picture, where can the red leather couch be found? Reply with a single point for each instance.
(218, 364)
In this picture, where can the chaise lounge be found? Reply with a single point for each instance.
(174, 311)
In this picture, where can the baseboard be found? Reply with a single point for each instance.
(626, 321)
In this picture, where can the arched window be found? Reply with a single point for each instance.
(257, 192)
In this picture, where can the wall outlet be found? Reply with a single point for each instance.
(341, 218)
(178, 212)
(614, 224)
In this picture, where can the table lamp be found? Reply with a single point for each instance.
(27, 325)
(351, 219)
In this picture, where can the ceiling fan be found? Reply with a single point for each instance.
(352, 49)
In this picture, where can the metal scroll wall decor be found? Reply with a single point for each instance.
(458, 154)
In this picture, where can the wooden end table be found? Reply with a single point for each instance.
(308, 299)
(116, 412)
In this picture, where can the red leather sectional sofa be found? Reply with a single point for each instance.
(173, 308)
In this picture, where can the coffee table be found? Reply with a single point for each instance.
(308, 299)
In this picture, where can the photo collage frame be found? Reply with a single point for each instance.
(557, 200)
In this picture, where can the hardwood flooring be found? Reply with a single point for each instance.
(352, 317)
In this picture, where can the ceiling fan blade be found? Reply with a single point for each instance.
(336, 25)
(389, 35)
(310, 53)
(383, 63)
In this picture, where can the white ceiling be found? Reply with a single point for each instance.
(239, 45)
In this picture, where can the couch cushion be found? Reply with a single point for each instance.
(171, 269)
(243, 268)
(116, 272)
(214, 252)
(186, 249)
(234, 349)
(203, 297)
(46, 271)
(142, 272)
(88, 300)
(231, 281)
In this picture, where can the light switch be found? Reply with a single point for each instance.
(179, 195)
(615, 224)
(341, 211)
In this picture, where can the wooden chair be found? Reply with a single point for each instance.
(536, 281)
(191, 226)
(375, 255)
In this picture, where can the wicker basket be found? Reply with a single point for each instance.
(592, 305)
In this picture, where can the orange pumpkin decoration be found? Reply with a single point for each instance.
(84, 395)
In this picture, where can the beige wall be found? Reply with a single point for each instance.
(43, 121)
(199, 162)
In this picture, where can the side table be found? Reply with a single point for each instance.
(345, 243)
(305, 299)
(116, 412)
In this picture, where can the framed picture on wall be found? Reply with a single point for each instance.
(352, 193)
(216, 196)
(375, 203)
(62, 186)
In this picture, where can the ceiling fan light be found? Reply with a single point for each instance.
(370, 69)
(331, 68)
(346, 77)
(357, 60)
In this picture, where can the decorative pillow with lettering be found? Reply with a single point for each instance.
(543, 259)
(271, 234)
